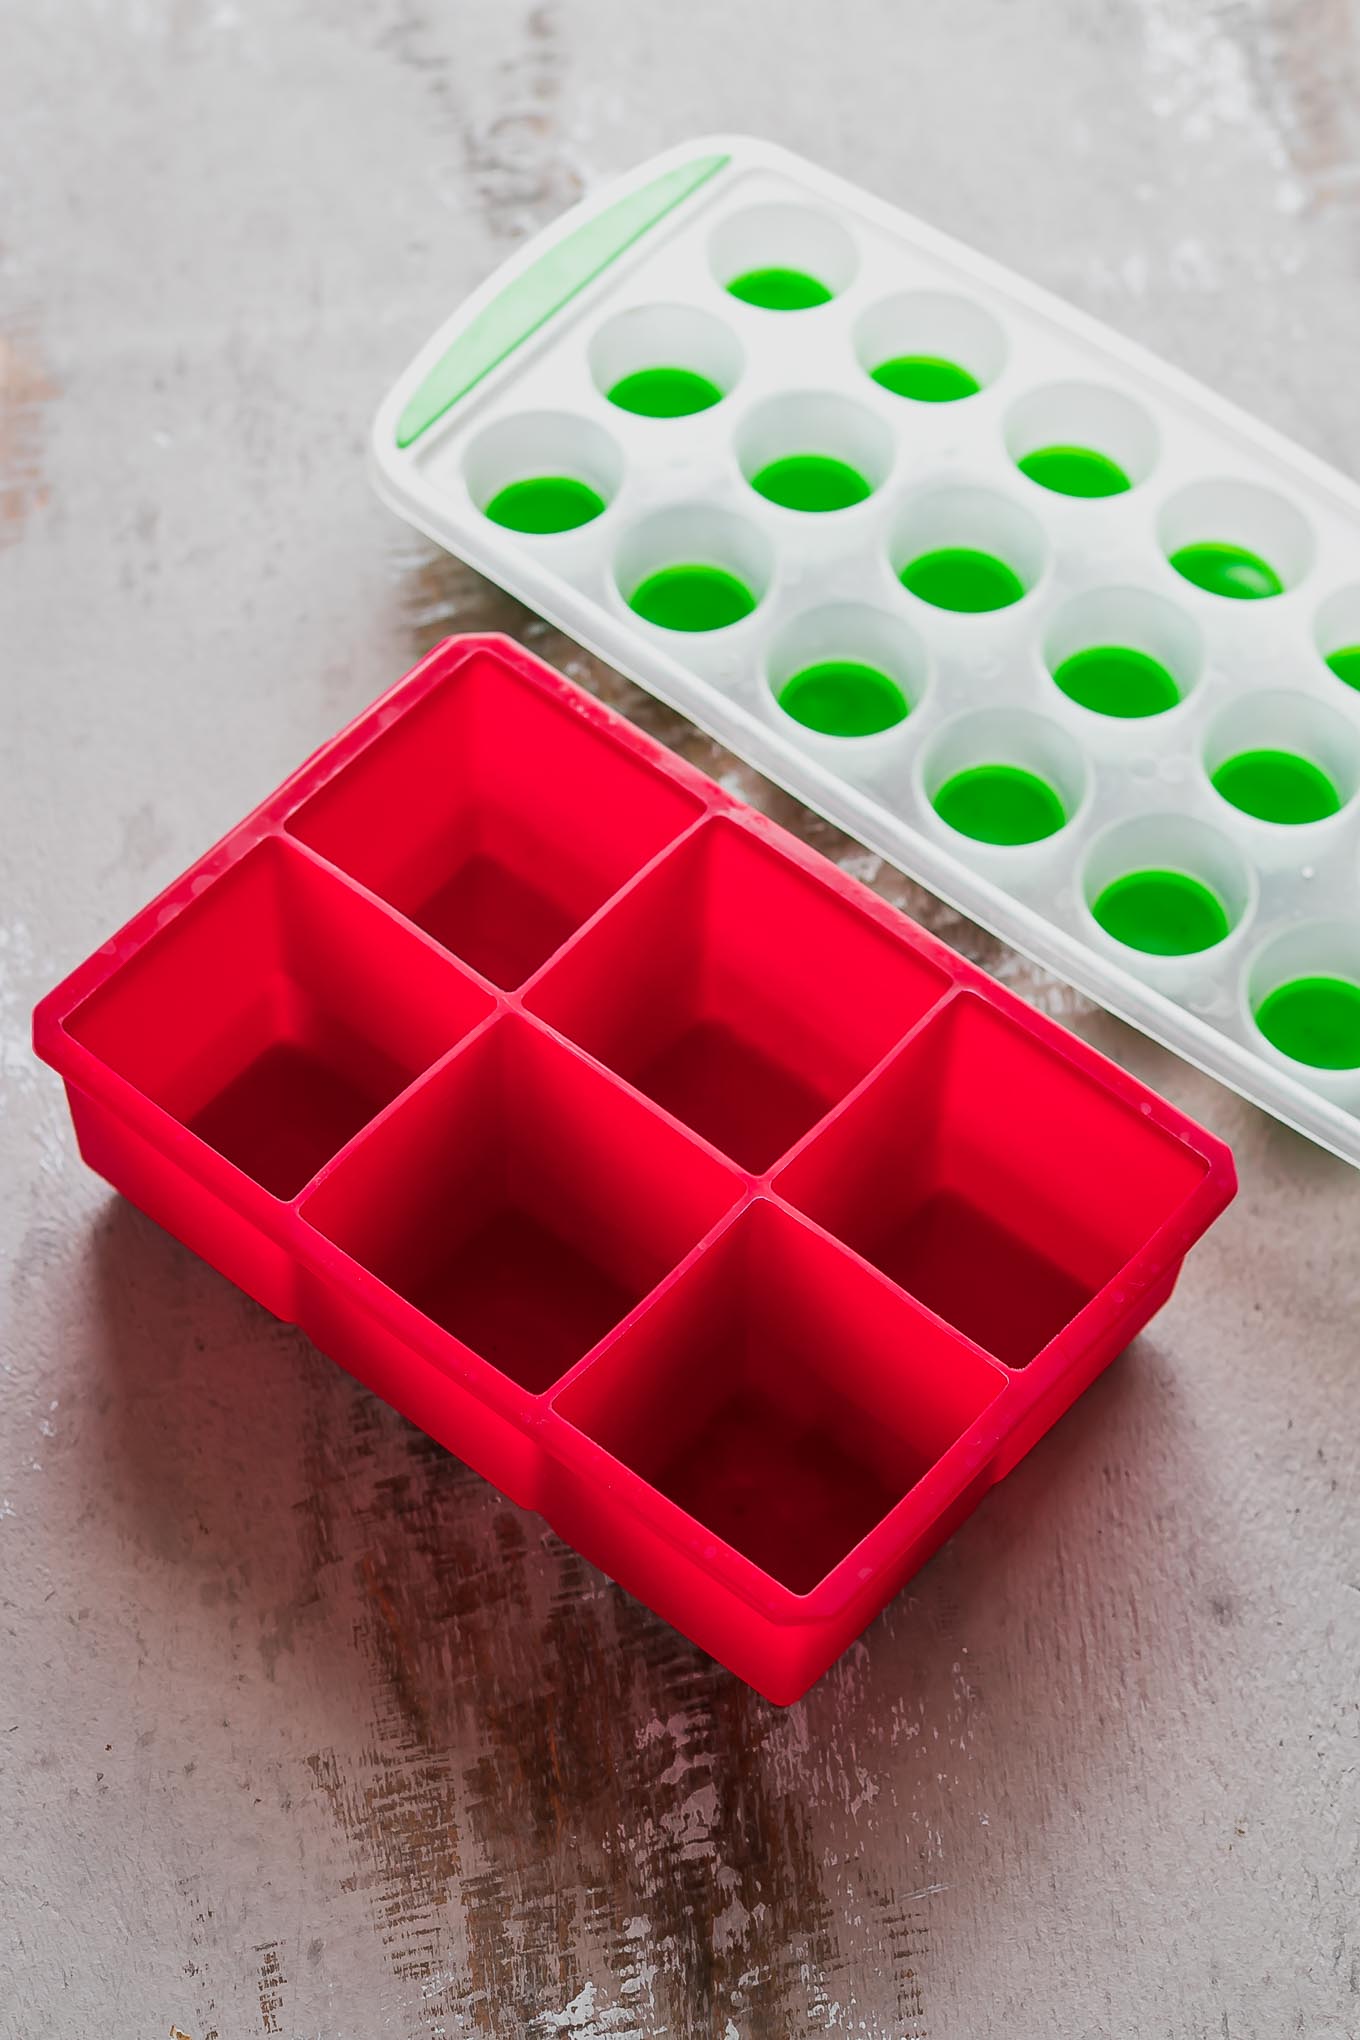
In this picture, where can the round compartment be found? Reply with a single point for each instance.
(1336, 632)
(784, 258)
(967, 550)
(665, 361)
(1285, 764)
(810, 451)
(1005, 783)
(930, 346)
(1301, 1000)
(542, 473)
(844, 680)
(1166, 893)
(1120, 656)
(689, 568)
(1235, 539)
(1081, 439)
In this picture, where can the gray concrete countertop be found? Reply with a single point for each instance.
(303, 1730)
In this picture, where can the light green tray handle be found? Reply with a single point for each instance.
(543, 289)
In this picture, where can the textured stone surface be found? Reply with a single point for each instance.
(303, 1730)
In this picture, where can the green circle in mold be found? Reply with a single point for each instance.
(1345, 663)
(843, 698)
(692, 597)
(926, 378)
(1229, 570)
(1075, 471)
(1163, 913)
(1316, 1020)
(665, 393)
(1000, 804)
(958, 578)
(1116, 680)
(811, 481)
(545, 503)
(1276, 786)
(780, 290)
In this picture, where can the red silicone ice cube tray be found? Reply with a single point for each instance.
(687, 1190)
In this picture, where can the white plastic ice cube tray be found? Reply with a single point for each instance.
(514, 386)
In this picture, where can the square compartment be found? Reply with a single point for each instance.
(523, 1201)
(495, 818)
(277, 1013)
(782, 1396)
(739, 992)
(999, 1184)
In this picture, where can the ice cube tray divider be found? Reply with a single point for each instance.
(1093, 570)
(708, 1372)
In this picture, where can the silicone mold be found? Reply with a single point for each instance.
(1036, 617)
(672, 1179)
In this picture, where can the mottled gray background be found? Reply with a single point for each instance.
(302, 1729)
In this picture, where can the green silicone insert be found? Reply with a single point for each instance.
(1163, 913)
(542, 289)
(545, 503)
(1075, 471)
(1227, 570)
(780, 290)
(1345, 663)
(842, 698)
(926, 378)
(1115, 680)
(811, 481)
(958, 578)
(1316, 1020)
(1000, 804)
(1277, 786)
(665, 393)
(692, 598)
